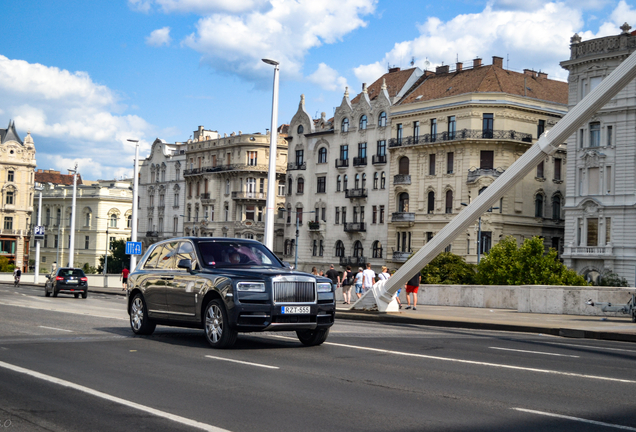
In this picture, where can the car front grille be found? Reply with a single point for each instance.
(294, 292)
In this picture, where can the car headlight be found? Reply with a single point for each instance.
(251, 286)
(324, 287)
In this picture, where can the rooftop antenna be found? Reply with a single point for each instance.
(412, 61)
(426, 64)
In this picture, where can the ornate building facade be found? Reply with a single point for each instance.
(452, 135)
(600, 213)
(17, 165)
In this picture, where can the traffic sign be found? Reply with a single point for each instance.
(38, 232)
(133, 248)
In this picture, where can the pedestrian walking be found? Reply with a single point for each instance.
(334, 276)
(347, 281)
(369, 278)
(124, 278)
(358, 282)
(314, 271)
(412, 287)
(384, 275)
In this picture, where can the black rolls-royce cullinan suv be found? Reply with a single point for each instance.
(227, 286)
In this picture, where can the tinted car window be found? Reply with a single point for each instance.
(186, 251)
(151, 262)
(236, 254)
(165, 260)
(71, 272)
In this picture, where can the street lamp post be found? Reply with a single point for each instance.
(270, 202)
(39, 188)
(133, 228)
(72, 245)
(479, 232)
(297, 232)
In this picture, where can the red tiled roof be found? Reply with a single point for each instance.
(394, 83)
(55, 177)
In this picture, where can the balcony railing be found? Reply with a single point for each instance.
(475, 173)
(293, 166)
(259, 196)
(461, 135)
(313, 225)
(399, 256)
(355, 227)
(342, 163)
(359, 161)
(352, 261)
(223, 168)
(402, 179)
(402, 217)
(356, 193)
(591, 250)
(377, 160)
(205, 196)
(152, 234)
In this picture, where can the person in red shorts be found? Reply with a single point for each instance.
(124, 278)
(412, 286)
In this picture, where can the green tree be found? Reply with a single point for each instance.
(5, 266)
(89, 269)
(609, 278)
(508, 264)
(448, 269)
(117, 258)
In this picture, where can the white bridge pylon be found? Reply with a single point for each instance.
(383, 293)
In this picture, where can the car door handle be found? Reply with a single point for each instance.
(167, 277)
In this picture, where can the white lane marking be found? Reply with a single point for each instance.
(65, 311)
(503, 366)
(127, 403)
(594, 422)
(54, 328)
(591, 346)
(534, 352)
(243, 362)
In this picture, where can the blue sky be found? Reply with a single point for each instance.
(85, 76)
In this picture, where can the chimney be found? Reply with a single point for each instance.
(529, 72)
(543, 75)
(497, 61)
(442, 69)
(477, 62)
(200, 130)
(458, 67)
(395, 69)
(364, 87)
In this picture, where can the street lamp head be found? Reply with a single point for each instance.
(133, 140)
(270, 62)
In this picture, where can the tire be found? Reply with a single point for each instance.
(46, 292)
(139, 321)
(634, 316)
(85, 294)
(312, 337)
(76, 295)
(55, 291)
(216, 325)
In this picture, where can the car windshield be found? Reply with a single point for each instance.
(234, 253)
(71, 272)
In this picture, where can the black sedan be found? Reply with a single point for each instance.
(227, 286)
(67, 280)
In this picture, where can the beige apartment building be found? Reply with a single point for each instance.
(226, 185)
(103, 214)
(453, 134)
(17, 162)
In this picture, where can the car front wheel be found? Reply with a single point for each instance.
(46, 291)
(217, 330)
(312, 337)
(139, 321)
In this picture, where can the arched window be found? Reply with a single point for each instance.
(300, 129)
(289, 188)
(300, 186)
(431, 202)
(449, 201)
(48, 216)
(538, 206)
(205, 186)
(556, 207)
(340, 249)
(345, 125)
(129, 221)
(377, 249)
(58, 216)
(287, 247)
(289, 213)
(113, 220)
(382, 119)
(363, 122)
(322, 155)
(357, 249)
(356, 182)
(375, 180)
(293, 247)
(87, 218)
(338, 183)
(382, 180)
(403, 167)
(403, 202)
(364, 180)
(345, 182)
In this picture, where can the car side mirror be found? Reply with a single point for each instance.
(185, 264)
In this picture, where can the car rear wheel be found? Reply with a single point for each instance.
(84, 294)
(312, 337)
(76, 295)
(217, 330)
(139, 321)
(55, 291)
(46, 292)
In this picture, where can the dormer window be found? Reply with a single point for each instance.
(382, 119)
(345, 125)
(363, 122)
(300, 129)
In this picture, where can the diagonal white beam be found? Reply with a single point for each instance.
(383, 292)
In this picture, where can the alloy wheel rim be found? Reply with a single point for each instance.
(214, 323)
(137, 315)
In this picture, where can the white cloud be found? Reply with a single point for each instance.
(285, 31)
(369, 73)
(159, 37)
(328, 78)
(67, 113)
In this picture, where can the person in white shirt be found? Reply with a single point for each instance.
(368, 278)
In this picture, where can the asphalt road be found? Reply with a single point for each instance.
(70, 364)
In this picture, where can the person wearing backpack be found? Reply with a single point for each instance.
(347, 282)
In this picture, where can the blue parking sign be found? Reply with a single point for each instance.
(133, 248)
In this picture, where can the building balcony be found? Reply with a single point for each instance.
(353, 261)
(314, 226)
(462, 134)
(378, 160)
(342, 163)
(205, 196)
(402, 217)
(402, 179)
(228, 167)
(356, 193)
(475, 173)
(152, 234)
(292, 166)
(250, 196)
(588, 251)
(7, 231)
(401, 257)
(360, 161)
(355, 227)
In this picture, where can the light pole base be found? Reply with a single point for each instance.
(377, 299)
(105, 281)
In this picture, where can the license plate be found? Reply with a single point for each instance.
(71, 281)
(295, 309)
